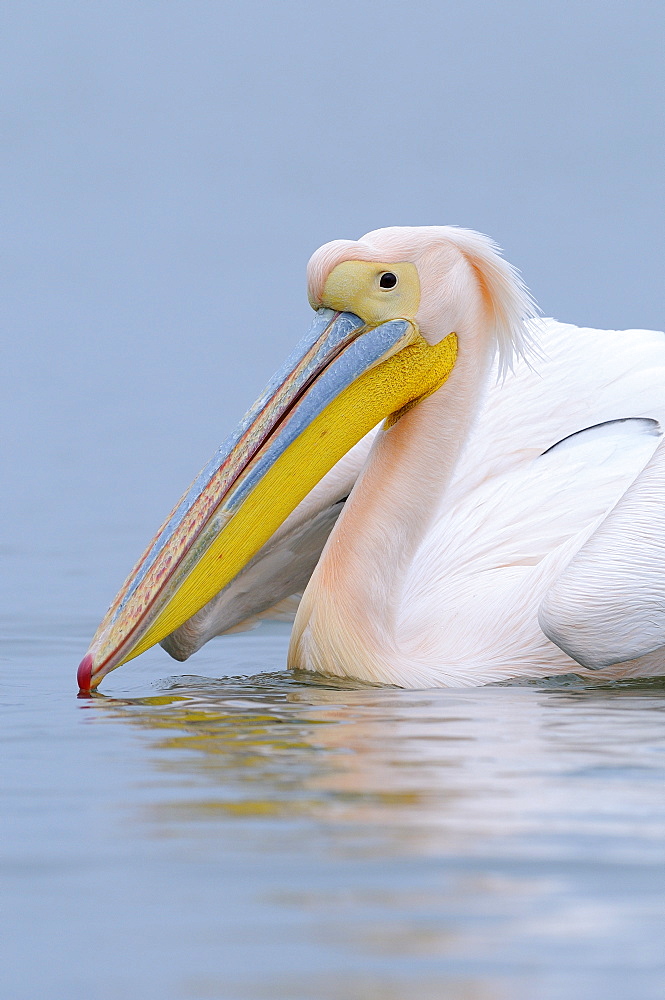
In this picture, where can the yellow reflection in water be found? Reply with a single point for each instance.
(484, 803)
(437, 769)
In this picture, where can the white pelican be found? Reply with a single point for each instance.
(499, 527)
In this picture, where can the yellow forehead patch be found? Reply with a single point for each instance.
(356, 286)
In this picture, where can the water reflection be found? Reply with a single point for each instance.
(497, 843)
(513, 769)
(360, 987)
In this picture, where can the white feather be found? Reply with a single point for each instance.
(511, 519)
(471, 599)
(608, 604)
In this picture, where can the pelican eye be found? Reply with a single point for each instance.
(387, 280)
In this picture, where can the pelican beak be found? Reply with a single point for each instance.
(342, 379)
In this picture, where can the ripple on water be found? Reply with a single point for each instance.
(277, 835)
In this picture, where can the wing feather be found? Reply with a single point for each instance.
(608, 604)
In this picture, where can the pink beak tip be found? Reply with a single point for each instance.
(84, 674)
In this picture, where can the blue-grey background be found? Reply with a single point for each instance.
(167, 168)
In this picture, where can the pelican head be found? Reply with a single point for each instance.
(393, 311)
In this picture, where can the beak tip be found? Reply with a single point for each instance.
(84, 674)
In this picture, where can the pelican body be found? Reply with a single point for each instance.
(460, 492)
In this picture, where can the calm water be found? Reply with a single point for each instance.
(240, 833)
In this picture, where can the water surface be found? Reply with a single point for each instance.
(237, 832)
